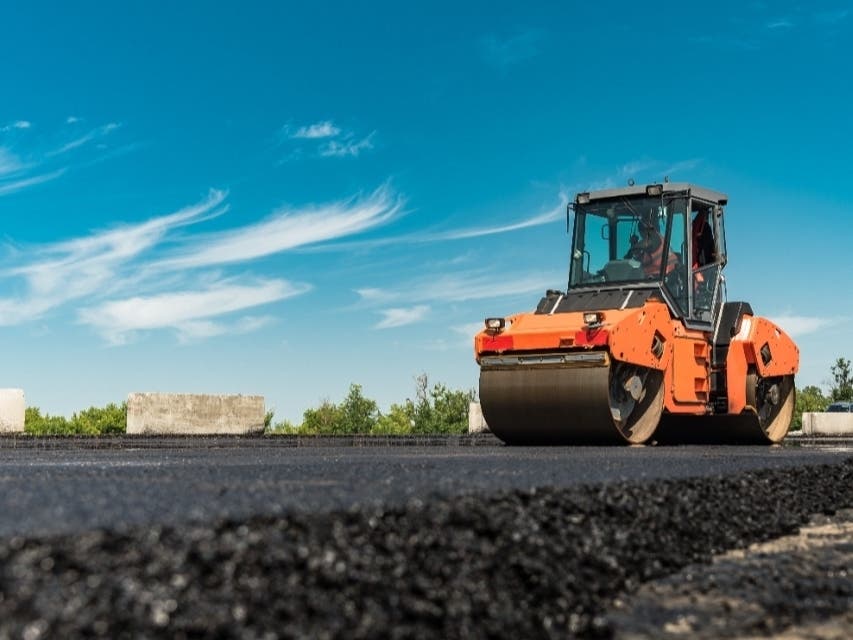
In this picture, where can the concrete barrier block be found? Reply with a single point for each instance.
(476, 422)
(12, 410)
(828, 424)
(194, 414)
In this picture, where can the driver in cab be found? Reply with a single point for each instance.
(647, 249)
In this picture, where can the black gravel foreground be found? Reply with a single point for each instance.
(544, 563)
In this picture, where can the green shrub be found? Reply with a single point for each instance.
(108, 420)
(397, 422)
(93, 421)
(808, 399)
(435, 410)
(439, 410)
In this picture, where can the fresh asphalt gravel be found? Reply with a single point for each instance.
(485, 542)
(57, 489)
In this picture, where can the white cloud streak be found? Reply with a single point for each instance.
(461, 287)
(328, 140)
(11, 187)
(9, 162)
(782, 24)
(348, 147)
(288, 229)
(95, 272)
(20, 125)
(325, 129)
(795, 325)
(94, 264)
(44, 166)
(401, 316)
(546, 217)
(188, 312)
(100, 132)
(543, 218)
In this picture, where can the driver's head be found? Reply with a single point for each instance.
(648, 222)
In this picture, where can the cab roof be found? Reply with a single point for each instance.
(686, 188)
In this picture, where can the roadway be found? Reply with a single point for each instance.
(71, 486)
(261, 539)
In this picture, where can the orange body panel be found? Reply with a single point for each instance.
(640, 336)
(634, 337)
(650, 337)
(690, 371)
(687, 381)
(746, 351)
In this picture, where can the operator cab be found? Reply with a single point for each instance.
(665, 238)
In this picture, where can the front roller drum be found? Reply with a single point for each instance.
(614, 403)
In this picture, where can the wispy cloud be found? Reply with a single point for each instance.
(681, 166)
(72, 119)
(94, 264)
(327, 140)
(650, 169)
(130, 279)
(534, 221)
(507, 51)
(289, 228)
(9, 162)
(325, 129)
(16, 185)
(187, 312)
(346, 147)
(782, 24)
(462, 286)
(401, 316)
(635, 167)
(468, 330)
(796, 325)
(94, 134)
(41, 165)
(197, 330)
(19, 124)
(546, 217)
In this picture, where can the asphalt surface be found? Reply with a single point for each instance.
(798, 586)
(403, 542)
(53, 490)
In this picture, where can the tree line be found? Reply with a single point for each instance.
(435, 409)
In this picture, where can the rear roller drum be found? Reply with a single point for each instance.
(773, 401)
(770, 407)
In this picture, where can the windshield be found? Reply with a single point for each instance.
(620, 240)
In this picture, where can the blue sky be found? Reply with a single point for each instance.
(279, 199)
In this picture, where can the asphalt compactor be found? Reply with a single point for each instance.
(642, 344)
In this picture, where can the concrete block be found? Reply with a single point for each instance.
(476, 422)
(194, 414)
(828, 424)
(12, 408)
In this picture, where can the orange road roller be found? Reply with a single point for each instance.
(642, 345)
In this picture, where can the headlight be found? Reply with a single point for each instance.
(495, 325)
(593, 318)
